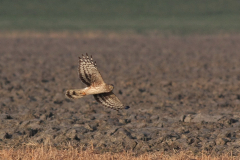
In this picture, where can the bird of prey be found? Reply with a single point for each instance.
(101, 91)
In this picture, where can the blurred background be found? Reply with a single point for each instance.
(175, 16)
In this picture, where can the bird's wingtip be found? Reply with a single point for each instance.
(127, 107)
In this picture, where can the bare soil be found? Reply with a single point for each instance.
(183, 93)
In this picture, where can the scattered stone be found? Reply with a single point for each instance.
(206, 118)
(58, 98)
(43, 117)
(188, 118)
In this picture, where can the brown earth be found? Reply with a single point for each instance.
(183, 93)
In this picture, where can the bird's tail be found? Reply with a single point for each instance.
(75, 93)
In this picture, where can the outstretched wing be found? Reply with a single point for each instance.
(88, 72)
(109, 100)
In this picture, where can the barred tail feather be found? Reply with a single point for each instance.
(75, 93)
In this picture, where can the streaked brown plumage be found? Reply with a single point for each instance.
(101, 91)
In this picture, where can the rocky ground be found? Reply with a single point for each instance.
(183, 93)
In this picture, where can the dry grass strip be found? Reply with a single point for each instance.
(52, 153)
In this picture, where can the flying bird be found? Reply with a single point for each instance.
(102, 92)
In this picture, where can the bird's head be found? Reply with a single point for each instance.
(110, 86)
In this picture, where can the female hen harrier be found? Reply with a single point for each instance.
(101, 91)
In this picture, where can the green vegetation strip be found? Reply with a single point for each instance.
(175, 16)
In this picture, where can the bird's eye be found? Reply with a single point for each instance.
(112, 86)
